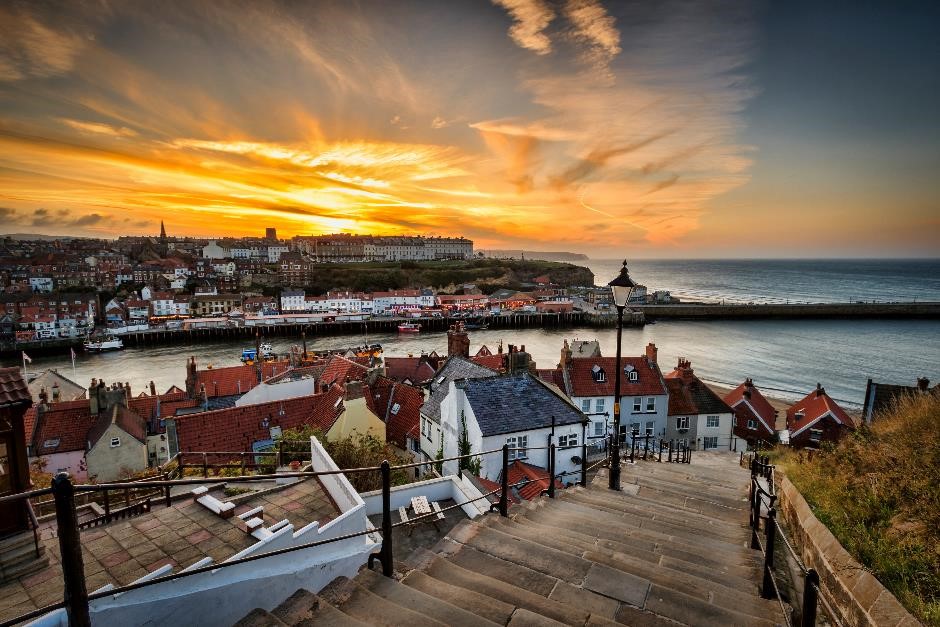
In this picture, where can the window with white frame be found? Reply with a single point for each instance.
(751, 424)
(586, 405)
(570, 439)
(637, 404)
(115, 442)
(634, 427)
(517, 446)
(599, 406)
(815, 435)
(599, 428)
(682, 423)
(650, 427)
(711, 422)
(710, 441)
(633, 375)
(650, 403)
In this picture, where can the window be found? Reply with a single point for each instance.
(634, 427)
(682, 423)
(710, 442)
(519, 443)
(650, 403)
(599, 406)
(115, 442)
(568, 440)
(395, 409)
(598, 374)
(650, 427)
(637, 404)
(586, 405)
(752, 424)
(599, 428)
(711, 422)
(633, 375)
(815, 435)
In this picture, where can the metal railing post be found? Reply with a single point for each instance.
(632, 446)
(70, 546)
(107, 506)
(583, 464)
(755, 516)
(670, 451)
(661, 443)
(504, 484)
(385, 553)
(551, 471)
(646, 446)
(767, 589)
(167, 495)
(810, 598)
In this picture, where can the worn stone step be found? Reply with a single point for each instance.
(678, 493)
(16, 540)
(487, 608)
(296, 608)
(683, 474)
(418, 601)
(524, 618)
(353, 600)
(652, 530)
(656, 511)
(445, 570)
(689, 610)
(692, 508)
(636, 617)
(743, 601)
(573, 543)
(259, 618)
(23, 568)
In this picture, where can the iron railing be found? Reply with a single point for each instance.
(76, 596)
(759, 498)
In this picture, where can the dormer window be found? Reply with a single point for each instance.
(632, 375)
(598, 373)
(395, 409)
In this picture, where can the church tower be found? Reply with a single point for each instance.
(162, 232)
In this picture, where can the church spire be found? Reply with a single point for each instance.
(162, 230)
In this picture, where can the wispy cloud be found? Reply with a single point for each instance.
(530, 19)
(100, 128)
(593, 26)
(29, 48)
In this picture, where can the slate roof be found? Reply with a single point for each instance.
(511, 404)
(693, 397)
(813, 407)
(582, 382)
(236, 428)
(68, 389)
(13, 388)
(453, 369)
(414, 369)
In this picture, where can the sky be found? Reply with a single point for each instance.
(641, 129)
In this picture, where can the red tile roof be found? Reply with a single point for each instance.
(235, 379)
(493, 362)
(537, 479)
(64, 426)
(749, 401)
(814, 406)
(552, 375)
(382, 397)
(414, 369)
(583, 383)
(489, 486)
(13, 388)
(340, 369)
(236, 428)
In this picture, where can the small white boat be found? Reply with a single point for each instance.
(267, 351)
(100, 345)
(409, 327)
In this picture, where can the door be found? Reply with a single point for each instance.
(12, 515)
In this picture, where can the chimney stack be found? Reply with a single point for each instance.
(458, 341)
(923, 383)
(685, 371)
(820, 390)
(353, 390)
(153, 389)
(56, 393)
(565, 354)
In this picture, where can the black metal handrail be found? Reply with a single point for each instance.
(34, 523)
(761, 467)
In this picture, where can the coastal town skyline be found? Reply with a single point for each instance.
(670, 132)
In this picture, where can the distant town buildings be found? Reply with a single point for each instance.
(360, 248)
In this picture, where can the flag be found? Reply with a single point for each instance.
(73, 355)
(26, 358)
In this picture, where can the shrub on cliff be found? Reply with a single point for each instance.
(878, 491)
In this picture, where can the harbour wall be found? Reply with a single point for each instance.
(637, 317)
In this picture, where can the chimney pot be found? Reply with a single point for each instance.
(923, 383)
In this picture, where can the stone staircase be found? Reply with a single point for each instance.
(18, 556)
(672, 547)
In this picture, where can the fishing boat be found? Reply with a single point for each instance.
(250, 355)
(476, 326)
(102, 344)
(409, 327)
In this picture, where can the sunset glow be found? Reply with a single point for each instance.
(518, 123)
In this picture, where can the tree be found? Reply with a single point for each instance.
(464, 448)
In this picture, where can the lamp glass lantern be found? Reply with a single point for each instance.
(622, 286)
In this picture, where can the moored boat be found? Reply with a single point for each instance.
(100, 345)
(409, 327)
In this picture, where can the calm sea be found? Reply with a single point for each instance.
(782, 280)
(787, 357)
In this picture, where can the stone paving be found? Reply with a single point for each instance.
(406, 539)
(126, 550)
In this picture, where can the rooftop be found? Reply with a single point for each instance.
(515, 403)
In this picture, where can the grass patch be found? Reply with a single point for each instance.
(878, 492)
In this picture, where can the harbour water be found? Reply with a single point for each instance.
(789, 356)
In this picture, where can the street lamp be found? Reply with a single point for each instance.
(621, 288)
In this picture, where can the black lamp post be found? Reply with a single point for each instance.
(621, 288)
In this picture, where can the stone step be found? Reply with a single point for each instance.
(678, 491)
(728, 479)
(640, 494)
(19, 554)
(689, 610)
(524, 618)
(661, 529)
(445, 570)
(356, 601)
(574, 543)
(487, 608)
(643, 538)
(259, 618)
(743, 601)
(24, 568)
(298, 607)
(417, 601)
(655, 510)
